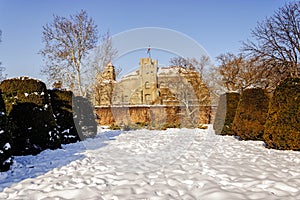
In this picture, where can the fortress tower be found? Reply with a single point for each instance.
(106, 82)
(109, 72)
(148, 77)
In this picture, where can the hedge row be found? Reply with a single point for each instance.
(282, 129)
(29, 110)
(33, 119)
(276, 120)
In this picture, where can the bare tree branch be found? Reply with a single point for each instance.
(278, 40)
(2, 69)
(101, 56)
(66, 42)
(191, 63)
(238, 72)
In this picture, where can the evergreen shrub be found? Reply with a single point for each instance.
(226, 109)
(251, 114)
(282, 129)
(29, 111)
(6, 158)
(61, 102)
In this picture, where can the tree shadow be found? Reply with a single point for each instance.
(32, 166)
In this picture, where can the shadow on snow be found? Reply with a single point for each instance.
(25, 167)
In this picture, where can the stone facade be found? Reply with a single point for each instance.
(166, 89)
(151, 85)
(152, 115)
(139, 87)
(106, 83)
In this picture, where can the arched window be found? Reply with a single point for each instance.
(162, 85)
(148, 98)
(147, 85)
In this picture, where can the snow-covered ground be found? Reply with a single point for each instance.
(171, 164)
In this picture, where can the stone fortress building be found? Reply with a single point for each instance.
(150, 85)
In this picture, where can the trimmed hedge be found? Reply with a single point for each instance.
(61, 102)
(22, 90)
(282, 129)
(84, 117)
(6, 146)
(251, 114)
(30, 113)
(228, 103)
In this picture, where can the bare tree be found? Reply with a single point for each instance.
(277, 40)
(213, 80)
(0, 42)
(238, 72)
(180, 61)
(191, 63)
(67, 41)
(2, 69)
(229, 69)
(187, 90)
(101, 56)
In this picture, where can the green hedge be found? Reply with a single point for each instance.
(6, 145)
(228, 103)
(29, 111)
(251, 114)
(22, 90)
(282, 129)
(61, 102)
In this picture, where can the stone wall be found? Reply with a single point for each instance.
(147, 114)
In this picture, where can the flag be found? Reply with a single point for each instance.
(148, 51)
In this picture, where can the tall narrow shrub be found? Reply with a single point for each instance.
(225, 113)
(61, 102)
(282, 129)
(251, 114)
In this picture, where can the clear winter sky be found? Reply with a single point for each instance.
(218, 26)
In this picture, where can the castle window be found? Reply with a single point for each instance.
(162, 85)
(126, 99)
(147, 85)
(147, 98)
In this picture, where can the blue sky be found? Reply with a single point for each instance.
(218, 26)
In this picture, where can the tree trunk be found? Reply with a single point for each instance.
(79, 83)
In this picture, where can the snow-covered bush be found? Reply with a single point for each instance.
(228, 103)
(84, 117)
(282, 129)
(251, 113)
(29, 111)
(6, 157)
(61, 102)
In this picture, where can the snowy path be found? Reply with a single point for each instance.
(172, 164)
